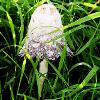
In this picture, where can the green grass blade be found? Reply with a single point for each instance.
(60, 65)
(32, 76)
(2, 9)
(63, 96)
(28, 97)
(31, 81)
(12, 95)
(21, 44)
(36, 72)
(68, 32)
(90, 5)
(10, 81)
(86, 80)
(22, 23)
(82, 20)
(11, 25)
(97, 58)
(86, 45)
(73, 87)
(25, 97)
(38, 83)
(52, 89)
(11, 58)
(80, 95)
(68, 89)
(80, 64)
(22, 73)
(8, 5)
(12, 28)
(4, 39)
(89, 76)
(14, 62)
(58, 73)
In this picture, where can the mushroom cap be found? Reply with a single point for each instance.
(44, 21)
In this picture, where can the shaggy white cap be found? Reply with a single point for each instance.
(44, 20)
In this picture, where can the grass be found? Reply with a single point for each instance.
(76, 78)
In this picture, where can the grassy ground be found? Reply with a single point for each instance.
(76, 78)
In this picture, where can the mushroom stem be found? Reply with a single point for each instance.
(43, 70)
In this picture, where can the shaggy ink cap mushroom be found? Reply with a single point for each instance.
(44, 21)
